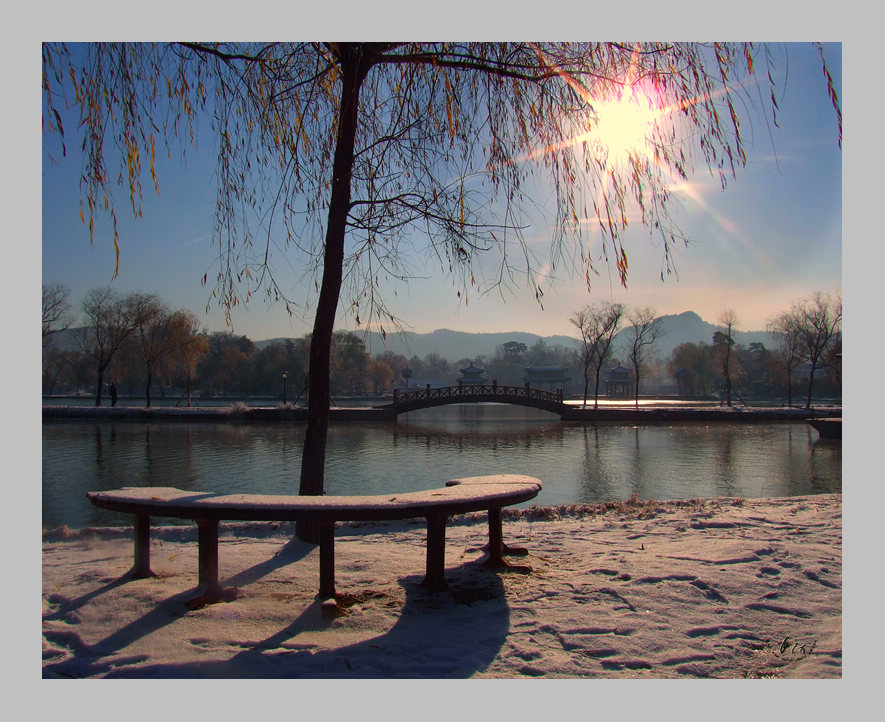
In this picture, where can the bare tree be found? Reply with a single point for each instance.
(150, 334)
(383, 143)
(832, 359)
(819, 321)
(644, 330)
(56, 309)
(723, 342)
(110, 321)
(597, 323)
(784, 328)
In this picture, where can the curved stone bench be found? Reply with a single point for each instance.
(459, 496)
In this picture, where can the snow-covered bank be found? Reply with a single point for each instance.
(700, 588)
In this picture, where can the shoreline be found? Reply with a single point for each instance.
(236, 414)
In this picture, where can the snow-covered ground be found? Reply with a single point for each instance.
(684, 589)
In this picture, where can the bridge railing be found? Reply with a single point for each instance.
(454, 393)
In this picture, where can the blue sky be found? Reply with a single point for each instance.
(773, 236)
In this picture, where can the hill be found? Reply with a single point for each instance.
(688, 327)
(448, 344)
(457, 345)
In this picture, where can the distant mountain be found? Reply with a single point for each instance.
(457, 345)
(448, 344)
(688, 327)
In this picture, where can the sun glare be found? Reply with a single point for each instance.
(624, 125)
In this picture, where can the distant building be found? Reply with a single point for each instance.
(547, 377)
(472, 375)
(620, 382)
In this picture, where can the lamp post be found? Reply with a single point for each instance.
(285, 376)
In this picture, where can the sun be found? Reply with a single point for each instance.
(624, 126)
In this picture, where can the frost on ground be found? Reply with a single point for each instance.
(719, 588)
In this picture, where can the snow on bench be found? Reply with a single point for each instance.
(459, 496)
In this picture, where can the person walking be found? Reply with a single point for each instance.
(114, 392)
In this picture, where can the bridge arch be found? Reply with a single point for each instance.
(404, 401)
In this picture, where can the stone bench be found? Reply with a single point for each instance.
(459, 496)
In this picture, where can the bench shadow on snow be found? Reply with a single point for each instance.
(450, 634)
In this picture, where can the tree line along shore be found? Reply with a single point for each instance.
(142, 347)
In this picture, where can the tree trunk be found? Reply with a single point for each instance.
(789, 387)
(313, 459)
(810, 384)
(147, 388)
(636, 388)
(728, 372)
(99, 385)
(586, 383)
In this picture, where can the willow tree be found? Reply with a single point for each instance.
(160, 334)
(352, 158)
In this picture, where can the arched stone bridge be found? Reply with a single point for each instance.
(425, 398)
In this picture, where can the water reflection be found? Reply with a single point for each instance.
(726, 464)
(578, 464)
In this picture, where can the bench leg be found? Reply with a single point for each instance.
(141, 567)
(327, 560)
(210, 590)
(496, 538)
(207, 536)
(497, 548)
(435, 578)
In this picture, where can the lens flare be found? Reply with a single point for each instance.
(625, 125)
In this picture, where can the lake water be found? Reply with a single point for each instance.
(576, 464)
